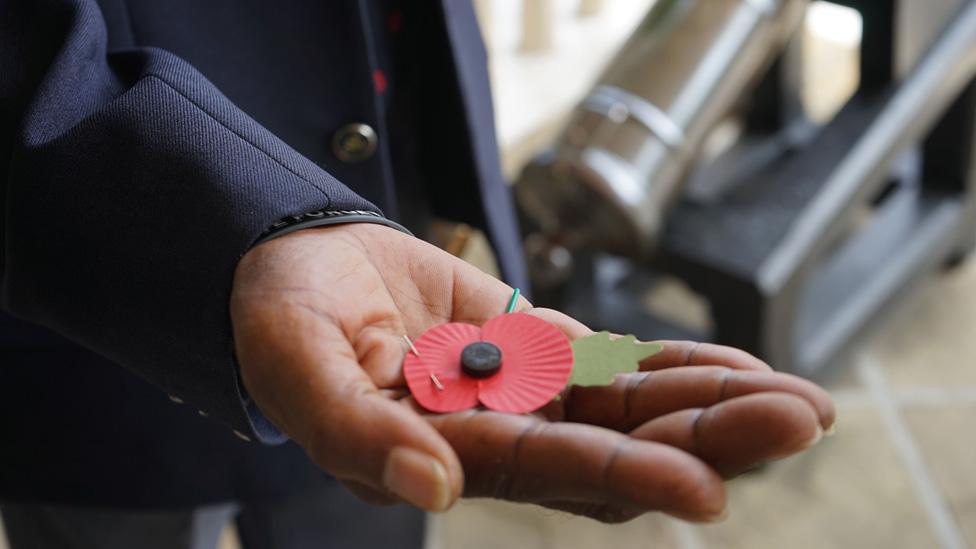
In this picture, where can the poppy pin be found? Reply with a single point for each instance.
(514, 363)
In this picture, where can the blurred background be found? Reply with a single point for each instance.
(792, 177)
(893, 319)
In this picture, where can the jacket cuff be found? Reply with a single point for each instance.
(321, 218)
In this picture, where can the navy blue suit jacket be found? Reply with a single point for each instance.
(147, 145)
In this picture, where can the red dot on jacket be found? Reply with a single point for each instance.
(379, 81)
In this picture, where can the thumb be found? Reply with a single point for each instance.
(315, 389)
(573, 328)
(386, 446)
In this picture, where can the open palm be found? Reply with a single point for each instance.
(319, 318)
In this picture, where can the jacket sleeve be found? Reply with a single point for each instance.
(132, 189)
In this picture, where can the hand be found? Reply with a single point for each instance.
(319, 317)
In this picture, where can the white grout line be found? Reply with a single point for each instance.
(685, 534)
(845, 399)
(928, 397)
(433, 536)
(940, 518)
(914, 397)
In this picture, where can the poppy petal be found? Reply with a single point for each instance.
(537, 361)
(440, 354)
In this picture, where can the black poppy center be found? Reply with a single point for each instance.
(481, 359)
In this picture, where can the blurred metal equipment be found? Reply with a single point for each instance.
(797, 236)
(621, 161)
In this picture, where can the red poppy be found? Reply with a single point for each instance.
(514, 363)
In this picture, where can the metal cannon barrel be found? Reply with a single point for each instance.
(620, 161)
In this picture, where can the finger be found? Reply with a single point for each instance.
(618, 514)
(573, 328)
(633, 399)
(477, 297)
(693, 353)
(602, 512)
(741, 433)
(310, 382)
(369, 495)
(364, 436)
(523, 458)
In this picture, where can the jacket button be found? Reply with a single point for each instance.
(354, 142)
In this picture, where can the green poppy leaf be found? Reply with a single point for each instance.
(598, 358)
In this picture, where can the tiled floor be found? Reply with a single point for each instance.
(897, 474)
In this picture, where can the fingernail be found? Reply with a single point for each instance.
(815, 438)
(831, 431)
(417, 478)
